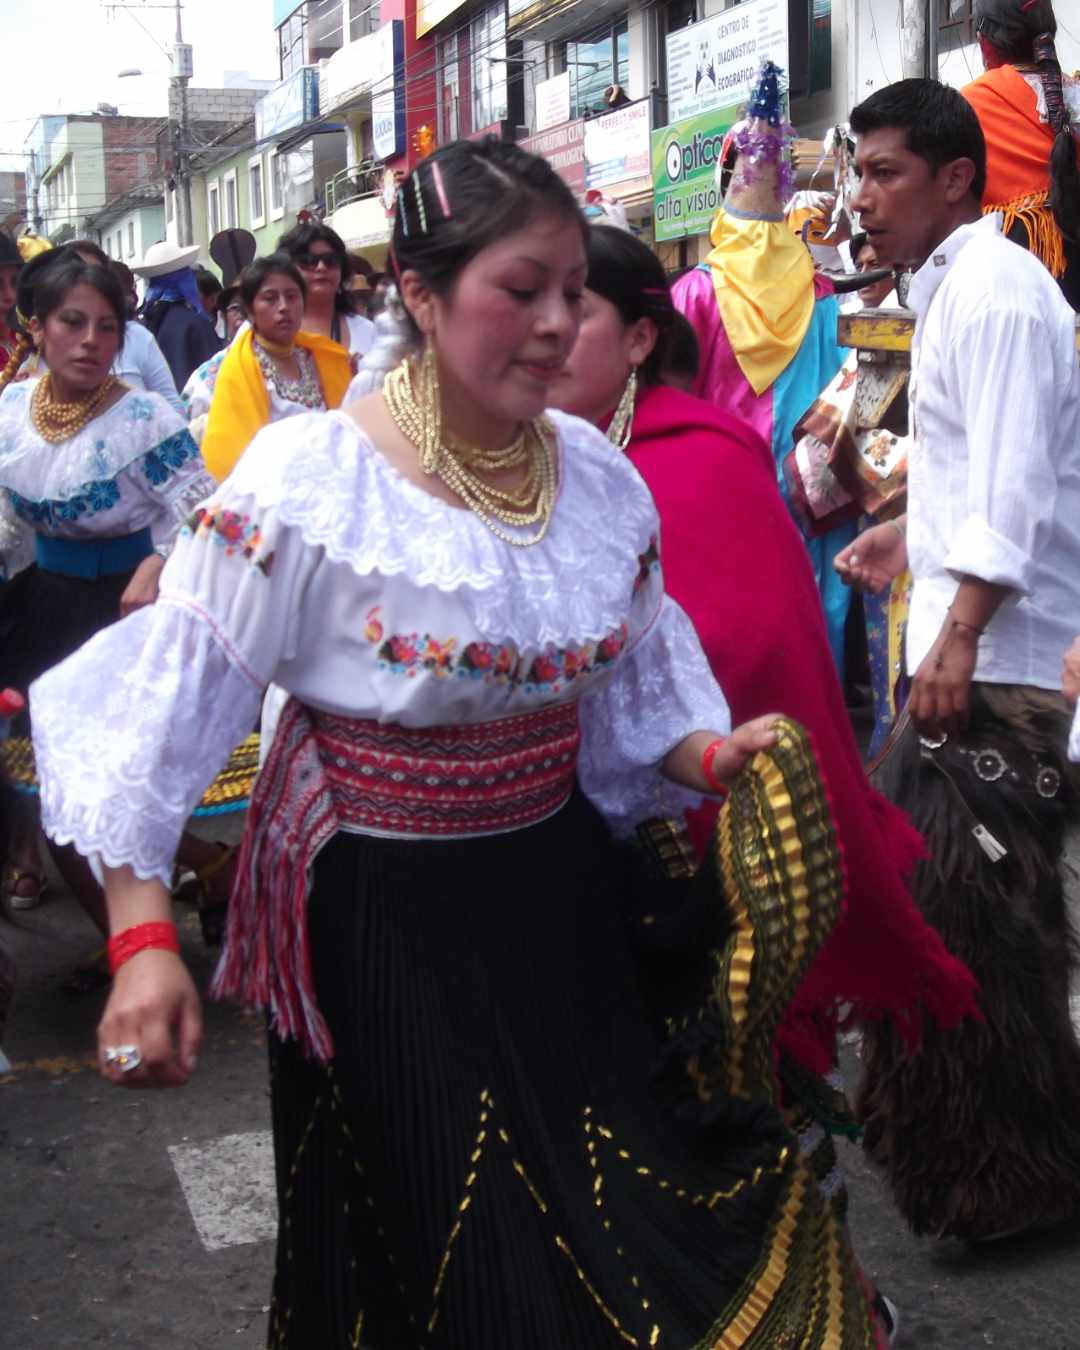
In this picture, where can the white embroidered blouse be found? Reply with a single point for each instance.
(133, 467)
(318, 566)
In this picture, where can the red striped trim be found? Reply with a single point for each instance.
(325, 773)
(449, 781)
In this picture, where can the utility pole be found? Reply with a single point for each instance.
(913, 39)
(182, 69)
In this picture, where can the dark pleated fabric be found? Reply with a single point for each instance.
(979, 1132)
(482, 1164)
(44, 617)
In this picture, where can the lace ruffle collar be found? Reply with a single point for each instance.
(323, 477)
(41, 471)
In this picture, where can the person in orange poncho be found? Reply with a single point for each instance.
(273, 369)
(1030, 115)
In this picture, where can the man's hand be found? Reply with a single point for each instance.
(941, 691)
(874, 560)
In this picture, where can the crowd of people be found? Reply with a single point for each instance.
(562, 871)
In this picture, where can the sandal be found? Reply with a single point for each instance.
(24, 887)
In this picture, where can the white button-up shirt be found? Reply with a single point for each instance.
(994, 473)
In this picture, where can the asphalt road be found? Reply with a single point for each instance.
(145, 1219)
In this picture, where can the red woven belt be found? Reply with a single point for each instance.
(449, 781)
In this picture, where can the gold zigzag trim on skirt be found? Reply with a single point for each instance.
(229, 791)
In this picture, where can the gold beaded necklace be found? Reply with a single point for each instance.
(459, 466)
(55, 421)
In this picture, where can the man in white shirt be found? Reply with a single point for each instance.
(981, 1130)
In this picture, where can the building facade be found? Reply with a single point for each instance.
(78, 163)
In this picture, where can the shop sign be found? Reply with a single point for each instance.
(564, 149)
(714, 64)
(289, 104)
(617, 145)
(684, 159)
(552, 101)
(388, 104)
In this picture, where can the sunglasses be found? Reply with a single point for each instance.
(328, 260)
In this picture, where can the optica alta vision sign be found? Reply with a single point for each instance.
(684, 159)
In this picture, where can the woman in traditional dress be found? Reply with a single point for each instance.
(463, 597)
(101, 476)
(273, 369)
(735, 562)
(1030, 115)
(329, 309)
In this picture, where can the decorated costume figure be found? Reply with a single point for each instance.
(766, 323)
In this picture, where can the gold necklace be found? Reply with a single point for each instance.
(55, 421)
(418, 420)
(281, 350)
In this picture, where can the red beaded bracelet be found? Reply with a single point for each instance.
(707, 757)
(123, 946)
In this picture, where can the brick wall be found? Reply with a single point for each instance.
(216, 105)
(130, 152)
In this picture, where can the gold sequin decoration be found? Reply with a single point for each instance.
(463, 1205)
(229, 791)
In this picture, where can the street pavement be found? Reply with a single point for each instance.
(146, 1219)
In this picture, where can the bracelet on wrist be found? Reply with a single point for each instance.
(141, 936)
(707, 756)
(960, 623)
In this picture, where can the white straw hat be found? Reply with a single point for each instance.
(165, 256)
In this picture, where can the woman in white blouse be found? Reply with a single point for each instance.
(99, 477)
(463, 598)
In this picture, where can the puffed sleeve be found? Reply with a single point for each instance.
(169, 474)
(660, 692)
(131, 729)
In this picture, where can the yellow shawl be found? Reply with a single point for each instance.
(241, 402)
(764, 281)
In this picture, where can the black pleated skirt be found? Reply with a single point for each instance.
(44, 617)
(483, 1163)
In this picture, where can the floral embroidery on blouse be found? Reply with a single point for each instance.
(102, 494)
(91, 498)
(173, 453)
(235, 533)
(494, 663)
(648, 562)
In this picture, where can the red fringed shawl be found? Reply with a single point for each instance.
(734, 560)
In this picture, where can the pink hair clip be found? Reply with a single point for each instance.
(1028, 4)
(440, 190)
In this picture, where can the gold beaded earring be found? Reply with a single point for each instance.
(622, 421)
(430, 416)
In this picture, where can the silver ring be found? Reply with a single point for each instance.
(124, 1057)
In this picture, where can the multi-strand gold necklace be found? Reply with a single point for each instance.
(55, 421)
(460, 466)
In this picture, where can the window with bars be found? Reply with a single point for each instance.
(596, 60)
(363, 18)
(277, 186)
(489, 67)
(292, 42)
(449, 89)
(213, 208)
(956, 22)
(230, 200)
(256, 198)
